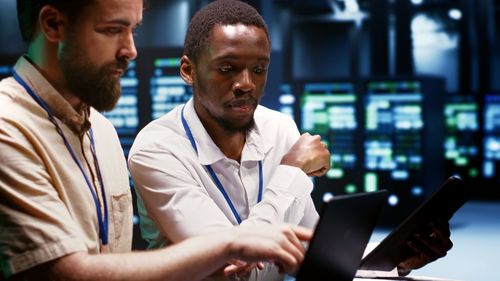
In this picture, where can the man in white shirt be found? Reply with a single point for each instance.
(221, 159)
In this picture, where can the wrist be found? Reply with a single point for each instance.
(293, 163)
(230, 245)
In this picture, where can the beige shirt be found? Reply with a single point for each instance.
(46, 208)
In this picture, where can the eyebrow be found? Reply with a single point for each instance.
(234, 58)
(122, 22)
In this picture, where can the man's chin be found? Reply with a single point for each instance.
(237, 126)
(105, 102)
(102, 105)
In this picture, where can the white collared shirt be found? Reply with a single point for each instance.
(181, 199)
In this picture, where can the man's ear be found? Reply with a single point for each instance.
(187, 70)
(51, 23)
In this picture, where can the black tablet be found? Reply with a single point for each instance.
(442, 204)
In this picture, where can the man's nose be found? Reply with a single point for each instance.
(244, 82)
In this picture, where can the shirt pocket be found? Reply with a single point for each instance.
(122, 212)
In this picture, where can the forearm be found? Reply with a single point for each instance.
(192, 259)
(284, 199)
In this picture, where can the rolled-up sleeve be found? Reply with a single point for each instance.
(284, 198)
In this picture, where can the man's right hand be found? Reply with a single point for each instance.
(252, 245)
(309, 154)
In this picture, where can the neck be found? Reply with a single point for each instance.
(46, 62)
(231, 144)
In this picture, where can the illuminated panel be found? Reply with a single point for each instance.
(491, 140)
(393, 145)
(124, 116)
(167, 87)
(287, 100)
(461, 149)
(329, 110)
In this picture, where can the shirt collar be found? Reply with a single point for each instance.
(60, 107)
(208, 152)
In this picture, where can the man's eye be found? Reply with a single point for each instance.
(225, 69)
(259, 70)
(113, 30)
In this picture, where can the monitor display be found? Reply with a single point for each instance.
(330, 109)
(491, 139)
(461, 142)
(380, 134)
(402, 133)
(287, 100)
(393, 142)
(167, 89)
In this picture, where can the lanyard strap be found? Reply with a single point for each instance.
(214, 176)
(103, 221)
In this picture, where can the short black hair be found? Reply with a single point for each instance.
(223, 12)
(29, 10)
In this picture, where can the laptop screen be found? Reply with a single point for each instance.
(341, 235)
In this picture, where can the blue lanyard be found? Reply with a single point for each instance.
(214, 176)
(103, 222)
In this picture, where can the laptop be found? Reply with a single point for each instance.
(341, 235)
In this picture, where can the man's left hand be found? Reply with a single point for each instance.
(426, 246)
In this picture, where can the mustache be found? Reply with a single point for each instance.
(241, 101)
(120, 64)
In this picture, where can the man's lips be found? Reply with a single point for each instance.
(242, 102)
(117, 72)
(243, 108)
(243, 105)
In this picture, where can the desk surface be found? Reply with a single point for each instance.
(406, 278)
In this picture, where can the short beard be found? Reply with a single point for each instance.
(92, 84)
(229, 128)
